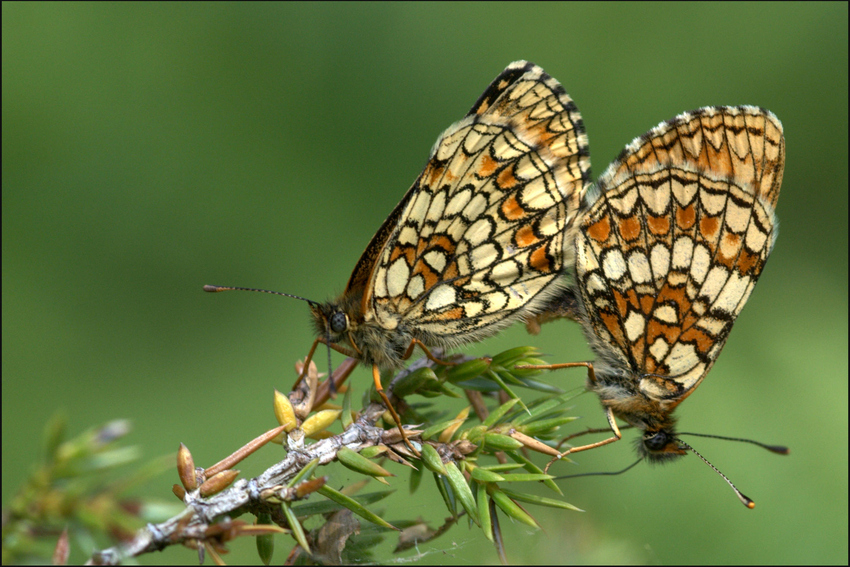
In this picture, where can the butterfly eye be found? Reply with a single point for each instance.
(656, 441)
(339, 322)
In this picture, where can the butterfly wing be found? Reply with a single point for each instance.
(480, 238)
(670, 250)
(743, 143)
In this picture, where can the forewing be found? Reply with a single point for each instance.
(538, 107)
(483, 235)
(742, 143)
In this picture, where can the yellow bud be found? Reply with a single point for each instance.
(186, 468)
(284, 412)
(448, 432)
(319, 421)
(178, 491)
(218, 482)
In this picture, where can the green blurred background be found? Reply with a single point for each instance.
(149, 149)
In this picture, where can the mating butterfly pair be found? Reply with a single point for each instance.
(662, 253)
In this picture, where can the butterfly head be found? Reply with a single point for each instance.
(659, 442)
(330, 321)
(334, 320)
(343, 326)
(660, 446)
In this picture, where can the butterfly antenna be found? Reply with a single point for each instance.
(744, 500)
(778, 449)
(599, 473)
(217, 288)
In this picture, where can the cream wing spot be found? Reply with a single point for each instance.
(483, 256)
(436, 260)
(666, 314)
(476, 206)
(659, 349)
(527, 168)
(473, 308)
(713, 326)
(458, 202)
(408, 235)
(714, 283)
(712, 202)
(595, 284)
(552, 223)
(463, 265)
(586, 259)
(381, 284)
(536, 194)
(682, 356)
(684, 193)
(508, 147)
(655, 198)
(397, 277)
(613, 264)
(733, 293)
(737, 217)
(419, 208)
(480, 136)
(415, 287)
(477, 285)
(440, 297)
(438, 205)
(634, 325)
(505, 272)
(624, 204)
(678, 279)
(660, 260)
(479, 232)
(474, 138)
(689, 373)
(755, 238)
(683, 251)
(700, 263)
(497, 301)
(639, 268)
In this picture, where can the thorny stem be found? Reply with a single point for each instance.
(243, 495)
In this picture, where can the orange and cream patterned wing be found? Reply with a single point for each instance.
(670, 251)
(743, 143)
(483, 234)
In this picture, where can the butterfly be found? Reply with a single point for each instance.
(481, 237)
(668, 248)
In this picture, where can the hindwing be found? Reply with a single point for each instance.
(481, 236)
(679, 232)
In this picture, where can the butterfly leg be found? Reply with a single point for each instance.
(592, 430)
(587, 365)
(616, 437)
(427, 352)
(342, 350)
(612, 423)
(376, 376)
